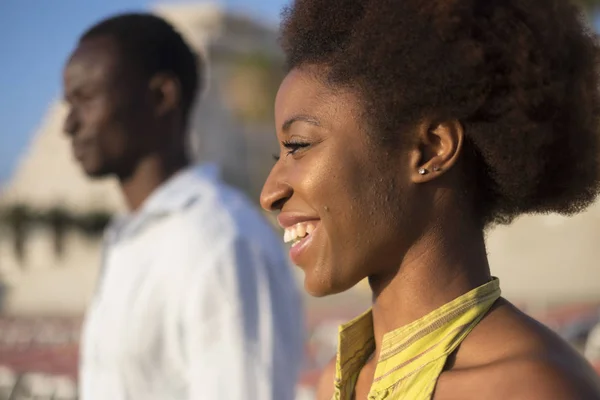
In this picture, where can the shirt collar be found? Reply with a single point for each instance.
(181, 190)
(177, 193)
(357, 343)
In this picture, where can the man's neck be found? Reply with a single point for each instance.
(147, 176)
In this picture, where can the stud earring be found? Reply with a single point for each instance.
(423, 171)
(436, 168)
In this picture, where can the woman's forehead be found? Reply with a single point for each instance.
(301, 92)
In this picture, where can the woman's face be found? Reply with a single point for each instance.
(346, 202)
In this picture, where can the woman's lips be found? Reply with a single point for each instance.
(299, 229)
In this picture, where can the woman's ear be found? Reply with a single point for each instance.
(438, 149)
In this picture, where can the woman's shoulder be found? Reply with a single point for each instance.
(511, 356)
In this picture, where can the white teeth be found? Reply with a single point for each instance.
(301, 230)
(298, 231)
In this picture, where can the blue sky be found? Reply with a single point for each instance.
(36, 36)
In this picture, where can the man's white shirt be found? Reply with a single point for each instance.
(195, 300)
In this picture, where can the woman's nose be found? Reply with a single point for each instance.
(275, 191)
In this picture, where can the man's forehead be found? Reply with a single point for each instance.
(92, 58)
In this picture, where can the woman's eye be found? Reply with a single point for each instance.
(293, 147)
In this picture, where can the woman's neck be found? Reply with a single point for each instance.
(441, 266)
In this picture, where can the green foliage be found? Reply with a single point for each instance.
(20, 219)
(93, 224)
(255, 79)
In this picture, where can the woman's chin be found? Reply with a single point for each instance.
(316, 292)
(321, 287)
(316, 288)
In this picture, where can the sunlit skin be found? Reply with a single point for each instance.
(413, 235)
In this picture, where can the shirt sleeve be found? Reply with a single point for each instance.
(592, 348)
(242, 327)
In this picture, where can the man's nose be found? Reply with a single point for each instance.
(71, 124)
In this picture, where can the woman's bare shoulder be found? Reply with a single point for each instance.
(511, 356)
(530, 377)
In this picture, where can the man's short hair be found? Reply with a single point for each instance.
(156, 47)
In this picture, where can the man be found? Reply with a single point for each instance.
(195, 299)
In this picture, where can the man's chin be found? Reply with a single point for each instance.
(96, 173)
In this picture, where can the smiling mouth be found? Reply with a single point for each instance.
(296, 233)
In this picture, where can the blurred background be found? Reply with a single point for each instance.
(52, 217)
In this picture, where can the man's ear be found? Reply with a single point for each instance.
(438, 149)
(165, 90)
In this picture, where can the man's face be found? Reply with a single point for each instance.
(109, 108)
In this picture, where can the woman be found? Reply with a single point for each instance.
(406, 129)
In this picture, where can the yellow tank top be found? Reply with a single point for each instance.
(412, 357)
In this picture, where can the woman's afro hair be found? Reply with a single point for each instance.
(520, 75)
